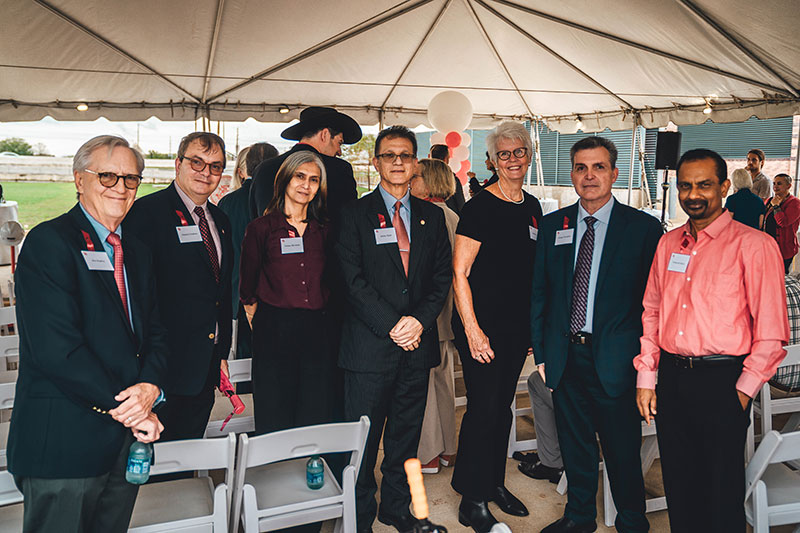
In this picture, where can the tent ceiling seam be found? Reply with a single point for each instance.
(553, 52)
(735, 42)
(645, 48)
(355, 30)
(63, 16)
(212, 49)
(425, 37)
(499, 59)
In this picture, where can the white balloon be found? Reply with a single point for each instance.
(437, 138)
(461, 153)
(465, 139)
(455, 164)
(450, 111)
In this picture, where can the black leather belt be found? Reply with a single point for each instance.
(704, 361)
(581, 337)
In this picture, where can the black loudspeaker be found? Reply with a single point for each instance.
(668, 149)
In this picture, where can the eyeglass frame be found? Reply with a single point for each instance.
(222, 169)
(510, 152)
(404, 158)
(117, 177)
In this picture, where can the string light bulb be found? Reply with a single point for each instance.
(284, 110)
(82, 107)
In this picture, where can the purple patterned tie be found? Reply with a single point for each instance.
(205, 232)
(580, 281)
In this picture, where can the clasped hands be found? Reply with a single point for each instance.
(407, 333)
(135, 411)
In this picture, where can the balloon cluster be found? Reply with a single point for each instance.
(450, 112)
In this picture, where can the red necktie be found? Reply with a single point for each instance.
(205, 232)
(402, 236)
(119, 275)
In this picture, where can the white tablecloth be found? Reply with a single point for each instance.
(8, 211)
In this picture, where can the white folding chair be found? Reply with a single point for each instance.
(192, 504)
(772, 489)
(9, 344)
(271, 491)
(766, 406)
(11, 509)
(515, 445)
(240, 371)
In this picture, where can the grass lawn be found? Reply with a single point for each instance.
(42, 201)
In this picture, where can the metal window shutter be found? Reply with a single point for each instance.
(732, 141)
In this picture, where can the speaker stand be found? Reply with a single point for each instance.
(664, 196)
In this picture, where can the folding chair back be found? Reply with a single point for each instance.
(771, 488)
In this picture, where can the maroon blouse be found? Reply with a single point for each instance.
(288, 281)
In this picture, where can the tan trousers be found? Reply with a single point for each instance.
(439, 424)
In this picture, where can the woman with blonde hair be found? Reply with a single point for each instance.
(433, 181)
(744, 205)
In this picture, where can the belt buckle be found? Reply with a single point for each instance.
(691, 361)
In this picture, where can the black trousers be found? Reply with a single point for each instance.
(395, 399)
(293, 369)
(483, 439)
(701, 436)
(583, 409)
(101, 504)
(186, 417)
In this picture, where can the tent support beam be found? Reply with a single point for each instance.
(633, 152)
(537, 148)
(648, 49)
(213, 49)
(489, 41)
(416, 51)
(742, 48)
(343, 36)
(553, 53)
(63, 16)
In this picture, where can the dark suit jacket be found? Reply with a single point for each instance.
(341, 183)
(457, 201)
(378, 293)
(191, 302)
(630, 245)
(235, 205)
(78, 351)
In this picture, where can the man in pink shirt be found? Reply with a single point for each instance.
(714, 326)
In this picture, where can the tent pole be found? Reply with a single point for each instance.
(796, 124)
(633, 150)
(538, 151)
(642, 173)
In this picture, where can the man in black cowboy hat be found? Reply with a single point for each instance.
(322, 130)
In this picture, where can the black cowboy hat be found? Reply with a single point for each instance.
(314, 118)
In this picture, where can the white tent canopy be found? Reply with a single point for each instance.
(604, 63)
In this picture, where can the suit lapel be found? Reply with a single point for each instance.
(134, 290)
(378, 207)
(614, 233)
(568, 251)
(418, 233)
(227, 253)
(106, 278)
(199, 247)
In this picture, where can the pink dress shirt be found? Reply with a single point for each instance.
(731, 300)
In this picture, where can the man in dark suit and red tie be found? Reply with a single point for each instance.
(394, 253)
(190, 240)
(92, 352)
(592, 263)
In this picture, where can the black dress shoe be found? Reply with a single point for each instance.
(403, 523)
(508, 503)
(566, 525)
(530, 457)
(475, 514)
(539, 471)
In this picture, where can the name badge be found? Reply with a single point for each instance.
(189, 234)
(564, 236)
(678, 262)
(385, 236)
(534, 233)
(97, 261)
(292, 245)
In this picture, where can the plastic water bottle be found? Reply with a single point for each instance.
(139, 458)
(315, 473)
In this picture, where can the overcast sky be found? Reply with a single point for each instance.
(63, 138)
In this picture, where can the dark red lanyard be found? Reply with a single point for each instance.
(89, 243)
(382, 220)
(180, 216)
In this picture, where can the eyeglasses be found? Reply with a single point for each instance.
(505, 155)
(198, 165)
(391, 158)
(109, 179)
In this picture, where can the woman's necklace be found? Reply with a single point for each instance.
(507, 198)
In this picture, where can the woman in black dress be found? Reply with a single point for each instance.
(493, 265)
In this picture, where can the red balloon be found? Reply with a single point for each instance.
(453, 139)
(462, 176)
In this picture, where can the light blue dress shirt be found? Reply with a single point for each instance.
(603, 215)
(405, 207)
(103, 233)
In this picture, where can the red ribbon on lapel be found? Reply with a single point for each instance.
(89, 243)
(382, 220)
(535, 225)
(292, 234)
(180, 216)
(566, 222)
